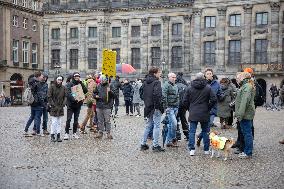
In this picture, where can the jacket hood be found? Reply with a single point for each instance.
(150, 79)
(199, 83)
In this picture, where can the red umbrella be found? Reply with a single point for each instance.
(124, 68)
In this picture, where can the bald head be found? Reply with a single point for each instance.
(172, 77)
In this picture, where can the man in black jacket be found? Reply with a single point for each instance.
(73, 106)
(152, 96)
(115, 86)
(199, 99)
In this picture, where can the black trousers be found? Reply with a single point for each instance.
(231, 118)
(70, 112)
(181, 116)
(129, 105)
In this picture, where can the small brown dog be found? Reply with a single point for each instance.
(220, 144)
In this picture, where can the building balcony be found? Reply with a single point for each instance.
(25, 65)
(16, 64)
(34, 66)
(273, 68)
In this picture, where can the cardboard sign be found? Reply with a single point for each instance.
(109, 63)
(77, 93)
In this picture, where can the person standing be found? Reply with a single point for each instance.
(115, 86)
(57, 98)
(171, 103)
(245, 111)
(153, 110)
(45, 113)
(73, 105)
(199, 99)
(38, 104)
(104, 101)
(273, 92)
(136, 97)
(128, 92)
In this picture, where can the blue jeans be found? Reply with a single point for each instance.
(172, 126)
(153, 122)
(204, 133)
(210, 124)
(35, 116)
(246, 127)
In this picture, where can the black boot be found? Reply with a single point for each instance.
(52, 138)
(58, 138)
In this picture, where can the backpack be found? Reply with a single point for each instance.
(259, 95)
(28, 97)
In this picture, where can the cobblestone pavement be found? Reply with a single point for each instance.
(35, 162)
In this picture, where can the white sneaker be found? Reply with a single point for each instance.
(138, 115)
(206, 152)
(192, 152)
(66, 137)
(75, 136)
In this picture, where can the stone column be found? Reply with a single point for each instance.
(101, 41)
(220, 48)
(144, 44)
(196, 41)
(275, 50)
(246, 40)
(47, 52)
(64, 49)
(124, 41)
(82, 64)
(165, 55)
(186, 51)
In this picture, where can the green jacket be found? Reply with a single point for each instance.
(170, 95)
(244, 106)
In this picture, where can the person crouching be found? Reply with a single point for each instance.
(56, 101)
(105, 99)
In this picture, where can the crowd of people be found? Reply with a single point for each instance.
(204, 98)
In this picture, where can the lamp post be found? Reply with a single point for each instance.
(57, 71)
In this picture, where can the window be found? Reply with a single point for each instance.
(156, 30)
(55, 58)
(25, 50)
(92, 58)
(235, 20)
(210, 21)
(55, 2)
(15, 2)
(260, 51)
(261, 18)
(55, 33)
(15, 21)
(74, 33)
(135, 58)
(177, 57)
(24, 3)
(209, 53)
(235, 52)
(73, 58)
(34, 53)
(135, 31)
(34, 25)
(35, 4)
(15, 51)
(92, 32)
(177, 29)
(117, 55)
(116, 32)
(156, 56)
(25, 23)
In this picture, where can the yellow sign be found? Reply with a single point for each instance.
(109, 63)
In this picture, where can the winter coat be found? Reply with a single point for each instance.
(244, 106)
(104, 100)
(181, 90)
(115, 86)
(39, 92)
(57, 98)
(136, 94)
(223, 108)
(71, 102)
(170, 95)
(152, 95)
(128, 91)
(215, 86)
(199, 99)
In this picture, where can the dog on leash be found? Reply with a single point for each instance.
(220, 144)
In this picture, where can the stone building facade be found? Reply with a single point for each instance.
(176, 35)
(20, 45)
